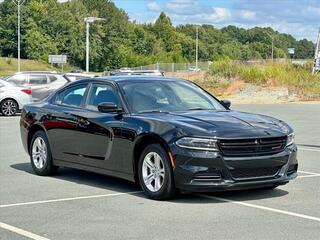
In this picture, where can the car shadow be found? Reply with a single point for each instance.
(116, 184)
(85, 178)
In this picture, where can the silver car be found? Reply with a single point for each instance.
(13, 98)
(41, 83)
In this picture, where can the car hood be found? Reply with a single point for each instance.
(226, 124)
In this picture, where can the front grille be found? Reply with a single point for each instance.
(242, 173)
(252, 146)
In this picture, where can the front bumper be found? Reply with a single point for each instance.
(201, 171)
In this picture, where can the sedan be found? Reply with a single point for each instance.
(166, 134)
(13, 98)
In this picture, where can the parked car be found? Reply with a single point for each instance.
(13, 98)
(164, 133)
(42, 83)
(194, 69)
(77, 76)
(136, 72)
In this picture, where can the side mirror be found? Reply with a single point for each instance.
(108, 107)
(226, 103)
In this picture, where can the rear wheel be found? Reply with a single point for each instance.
(9, 107)
(155, 173)
(40, 155)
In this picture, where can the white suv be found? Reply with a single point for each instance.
(40, 83)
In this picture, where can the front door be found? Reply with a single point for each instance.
(101, 131)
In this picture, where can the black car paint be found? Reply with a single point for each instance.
(106, 142)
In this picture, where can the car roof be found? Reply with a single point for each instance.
(37, 72)
(131, 78)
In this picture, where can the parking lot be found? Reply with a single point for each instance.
(74, 204)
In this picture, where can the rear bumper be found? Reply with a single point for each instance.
(208, 171)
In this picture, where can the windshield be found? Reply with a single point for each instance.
(167, 96)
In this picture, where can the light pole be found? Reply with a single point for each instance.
(89, 20)
(316, 54)
(272, 38)
(197, 46)
(18, 3)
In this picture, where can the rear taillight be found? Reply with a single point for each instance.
(26, 90)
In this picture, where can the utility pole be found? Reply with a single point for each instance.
(87, 46)
(272, 45)
(197, 46)
(18, 3)
(316, 54)
(89, 20)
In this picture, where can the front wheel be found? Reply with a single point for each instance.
(40, 155)
(9, 107)
(155, 173)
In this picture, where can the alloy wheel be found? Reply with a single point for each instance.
(9, 107)
(39, 152)
(153, 171)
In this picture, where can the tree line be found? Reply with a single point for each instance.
(49, 27)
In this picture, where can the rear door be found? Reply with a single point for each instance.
(63, 125)
(39, 86)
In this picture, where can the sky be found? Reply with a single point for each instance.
(301, 18)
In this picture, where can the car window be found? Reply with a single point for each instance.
(72, 96)
(19, 79)
(52, 78)
(38, 79)
(100, 93)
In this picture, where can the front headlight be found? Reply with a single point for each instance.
(290, 139)
(206, 144)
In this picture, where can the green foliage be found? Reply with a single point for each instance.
(48, 27)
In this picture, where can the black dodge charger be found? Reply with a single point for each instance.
(164, 133)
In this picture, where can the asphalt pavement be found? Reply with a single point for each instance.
(74, 204)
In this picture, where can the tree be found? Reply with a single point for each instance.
(49, 27)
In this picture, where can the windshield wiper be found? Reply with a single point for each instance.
(154, 111)
(195, 109)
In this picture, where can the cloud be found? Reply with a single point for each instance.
(193, 11)
(299, 18)
(248, 15)
(153, 6)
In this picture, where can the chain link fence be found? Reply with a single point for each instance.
(175, 67)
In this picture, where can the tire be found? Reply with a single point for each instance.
(9, 107)
(40, 155)
(155, 173)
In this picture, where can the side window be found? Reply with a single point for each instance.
(72, 96)
(19, 79)
(38, 79)
(52, 78)
(100, 93)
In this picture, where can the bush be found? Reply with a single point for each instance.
(297, 79)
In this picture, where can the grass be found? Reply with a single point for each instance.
(9, 66)
(298, 79)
